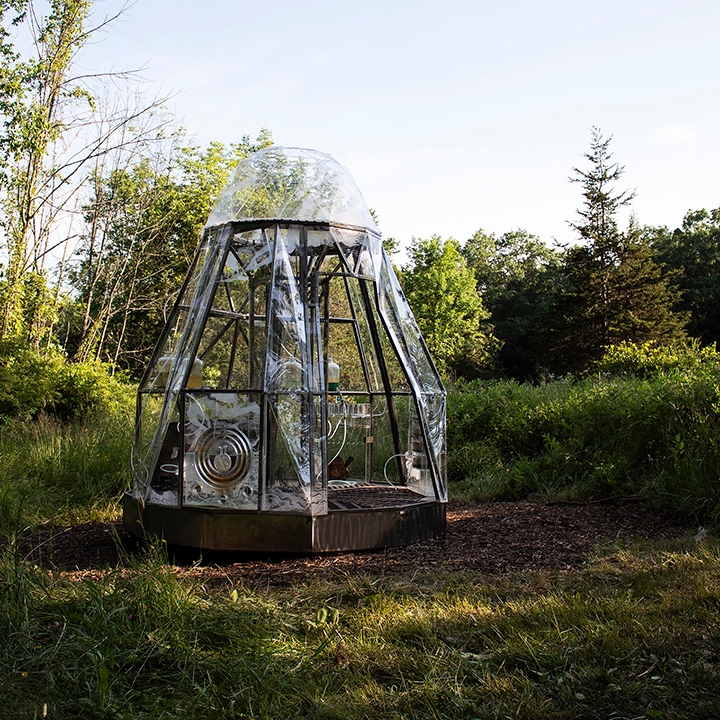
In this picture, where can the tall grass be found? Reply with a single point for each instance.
(634, 633)
(647, 433)
(58, 471)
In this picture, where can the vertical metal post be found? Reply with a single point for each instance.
(389, 397)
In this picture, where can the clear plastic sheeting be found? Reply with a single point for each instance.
(292, 184)
(291, 364)
(174, 358)
(421, 372)
(222, 450)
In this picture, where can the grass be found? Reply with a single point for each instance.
(650, 437)
(58, 472)
(634, 634)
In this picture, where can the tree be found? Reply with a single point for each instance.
(143, 223)
(614, 290)
(691, 256)
(441, 290)
(53, 126)
(516, 274)
(599, 226)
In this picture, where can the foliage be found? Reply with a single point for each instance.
(598, 224)
(516, 276)
(32, 382)
(646, 427)
(143, 225)
(66, 434)
(36, 96)
(614, 290)
(441, 291)
(690, 255)
(650, 359)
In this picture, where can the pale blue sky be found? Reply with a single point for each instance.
(450, 115)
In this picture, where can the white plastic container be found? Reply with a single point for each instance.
(333, 375)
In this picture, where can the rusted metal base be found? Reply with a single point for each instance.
(409, 520)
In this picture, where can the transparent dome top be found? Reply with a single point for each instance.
(294, 184)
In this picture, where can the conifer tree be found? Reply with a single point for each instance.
(614, 290)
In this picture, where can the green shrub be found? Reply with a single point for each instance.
(649, 433)
(650, 359)
(84, 388)
(32, 382)
(65, 441)
(27, 380)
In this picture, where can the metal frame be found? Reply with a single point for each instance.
(338, 531)
(262, 529)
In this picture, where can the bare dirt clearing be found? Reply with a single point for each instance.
(486, 538)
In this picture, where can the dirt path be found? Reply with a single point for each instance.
(488, 538)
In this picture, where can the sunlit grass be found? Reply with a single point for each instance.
(636, 633)
(51, 471)
(655, 438)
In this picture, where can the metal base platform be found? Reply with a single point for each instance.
(359, 518)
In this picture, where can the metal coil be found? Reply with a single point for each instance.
(223, 456)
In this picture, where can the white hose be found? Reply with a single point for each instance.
(343, 440)
(392, 457)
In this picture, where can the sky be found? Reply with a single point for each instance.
(451, 115)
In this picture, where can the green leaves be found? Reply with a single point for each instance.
(615, 291)
(441, 290)
(517, 275)
(143, 224)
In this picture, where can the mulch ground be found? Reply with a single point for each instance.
(486, 538)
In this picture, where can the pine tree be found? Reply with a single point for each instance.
(614, 290)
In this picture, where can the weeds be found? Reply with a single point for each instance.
(633, 634)
(62, 472)
(651, 437)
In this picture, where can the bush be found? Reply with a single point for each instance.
(82, 389)
(647, 426)
(27, 380)
(32, 382)
(651, 360)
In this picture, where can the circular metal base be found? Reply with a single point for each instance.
(354, 525)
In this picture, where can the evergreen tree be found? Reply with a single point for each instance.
(614, 290)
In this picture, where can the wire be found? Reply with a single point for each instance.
(387, 479)
(343, 440)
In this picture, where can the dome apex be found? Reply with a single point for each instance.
(292, 184)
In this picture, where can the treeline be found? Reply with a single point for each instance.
(102, 203)
(102, 199)
(511, 306)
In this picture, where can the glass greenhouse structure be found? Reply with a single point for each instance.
(290, 404)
